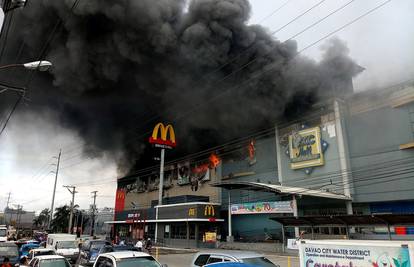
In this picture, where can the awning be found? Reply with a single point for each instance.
(169, 220)
(346, 220)
(279, 189)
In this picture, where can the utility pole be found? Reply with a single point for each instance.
(73, 192)
(8, 200)
(93, 213)
(54, 189)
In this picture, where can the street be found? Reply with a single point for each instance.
(184, 259)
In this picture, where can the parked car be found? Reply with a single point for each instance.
(124, 248)
(9, 250)
(91, 249)
(215, 256)
(49, 261)
(25, 249)
(127, 259)
(40, 252)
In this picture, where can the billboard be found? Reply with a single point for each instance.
(352, 255)
(262, 207)
(305, 149)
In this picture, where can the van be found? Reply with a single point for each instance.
(3, 233)
(65, 245)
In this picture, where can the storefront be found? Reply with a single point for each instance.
(194, 224)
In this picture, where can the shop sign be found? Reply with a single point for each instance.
(262, 207)
(166, 137)
(192, 212)
(305, 149)
(318, 255)
(210, 237)
(293, 243)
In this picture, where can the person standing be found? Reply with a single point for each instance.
(148, 245)
(139, 245)
(6, 262)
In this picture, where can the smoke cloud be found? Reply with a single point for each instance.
(121, 66)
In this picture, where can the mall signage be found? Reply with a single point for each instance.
(262, 207)
(306, 148)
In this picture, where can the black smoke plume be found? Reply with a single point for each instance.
(121, 66)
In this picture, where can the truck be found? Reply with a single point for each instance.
(3, 233)
(356, 253)
(65, 245)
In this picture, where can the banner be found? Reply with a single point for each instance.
(210, 237)
(370, 254)
(262, 207)
(293, 243)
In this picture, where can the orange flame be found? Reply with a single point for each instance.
(214, 160)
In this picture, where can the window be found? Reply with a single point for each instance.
(67, 244)
(179, 231)
(33, 262)
(201, 260)
(259, 261)
(167, 231)
(54, 263)
(100, 262)
(137, 262)
(214, 259)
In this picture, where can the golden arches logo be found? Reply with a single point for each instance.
(209, 210)
(120, 195)
(192, 212)
(167, 135)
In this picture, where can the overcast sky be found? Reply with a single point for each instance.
(382, 42)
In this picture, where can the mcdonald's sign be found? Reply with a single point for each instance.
(209, 210)
(192, 212)
(163, 136)
(120, 200)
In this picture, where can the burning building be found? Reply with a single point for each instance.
(344, 156)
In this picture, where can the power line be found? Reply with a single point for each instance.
(41, 54)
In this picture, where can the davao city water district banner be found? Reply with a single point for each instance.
(323, 255)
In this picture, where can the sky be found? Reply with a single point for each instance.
(382, 43)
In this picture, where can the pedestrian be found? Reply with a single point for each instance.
(122, 243)
(139, 245)
(6, 262)
(24, 261)
(148, 245)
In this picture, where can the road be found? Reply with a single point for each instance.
(184, 260)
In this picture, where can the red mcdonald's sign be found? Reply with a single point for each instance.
(119, 200)
(166, 138)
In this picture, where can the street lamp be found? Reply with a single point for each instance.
(13, 4)
(42, 65)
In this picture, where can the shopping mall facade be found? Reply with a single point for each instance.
(353, 155)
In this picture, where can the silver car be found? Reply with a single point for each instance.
(213, 256)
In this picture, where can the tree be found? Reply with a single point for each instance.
(41, 220)
(60, 220)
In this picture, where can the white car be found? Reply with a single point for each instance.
(49, 261)
(126, 259)
(40, 252)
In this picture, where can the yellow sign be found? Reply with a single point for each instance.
(166, 138)
(192, 212)
(210, 237)
(209, 210)
(305, 149)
